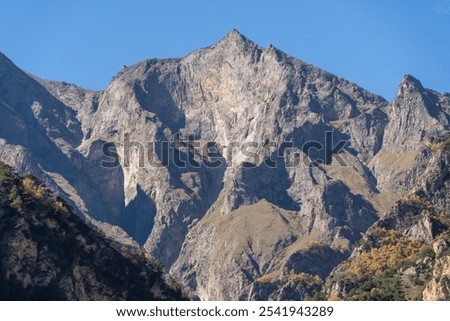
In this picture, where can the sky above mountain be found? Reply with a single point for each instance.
(373, 44)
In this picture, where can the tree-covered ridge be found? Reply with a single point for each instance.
(48, 253)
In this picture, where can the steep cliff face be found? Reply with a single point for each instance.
(221, 224)
(48, 253)
(415, 115)
(439, 286)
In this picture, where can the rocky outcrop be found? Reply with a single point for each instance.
(439, 287)
(415, 116)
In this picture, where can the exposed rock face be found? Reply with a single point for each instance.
(48, 253)
(408, 247)
(439, 247)
(439, 287)
(415, 115)
(221, 228)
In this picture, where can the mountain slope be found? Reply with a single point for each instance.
(405, 255)
(48, 253)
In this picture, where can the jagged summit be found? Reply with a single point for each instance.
(409, 85)
(234, 33)
(234, 40)
(410, 80)
(234, 36)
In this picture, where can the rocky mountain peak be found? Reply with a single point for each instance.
(234, 40)
(409, 85)
(234, 36)
(411, 80)
(415, 113)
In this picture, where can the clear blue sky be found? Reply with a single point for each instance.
(373, 43)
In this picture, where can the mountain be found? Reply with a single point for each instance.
(49, 253)
(249, 173)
